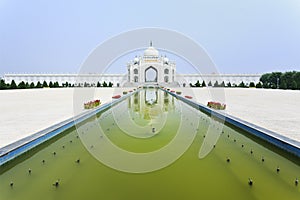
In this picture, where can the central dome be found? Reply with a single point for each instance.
(151, 51)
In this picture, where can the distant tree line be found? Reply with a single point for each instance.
(222, 84)
(23, 85)
(274, 80)
(281, 80)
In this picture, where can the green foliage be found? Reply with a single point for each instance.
(286, 80)
(209, 83)
(45, 84)
(110, 84)
(293, 85)
(22, 85)
(203, 84)
(3, 85)
(67, 84)
(56, 84)
(104, 84)
(39, 85)
(252, 84)
(258, 85)
(31, 85)
(296, 78)
(197, 84)
(50, 84)
(222, 84)
(216, 84)
(228, 84)
(13, 85)
(98, 84)
(242, 84)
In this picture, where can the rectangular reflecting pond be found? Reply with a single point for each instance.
(149, 147)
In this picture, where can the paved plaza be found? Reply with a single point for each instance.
(24, 112)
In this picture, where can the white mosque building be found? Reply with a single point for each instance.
(151, 68)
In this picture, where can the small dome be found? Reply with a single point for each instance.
(136, 60)
(151, 51)
(166, 60)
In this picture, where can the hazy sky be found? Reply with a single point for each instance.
(252, 36)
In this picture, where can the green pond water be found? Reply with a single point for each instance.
(147, 122)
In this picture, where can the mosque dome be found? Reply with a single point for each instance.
(151, 51)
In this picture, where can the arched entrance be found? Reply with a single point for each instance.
(151, 74)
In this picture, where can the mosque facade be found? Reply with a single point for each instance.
(152, 68)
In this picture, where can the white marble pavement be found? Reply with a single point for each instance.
(23, 112)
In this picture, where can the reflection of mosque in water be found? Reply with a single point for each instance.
(151, 101)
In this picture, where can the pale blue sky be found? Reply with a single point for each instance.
(252, 36)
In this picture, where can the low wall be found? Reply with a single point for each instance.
(271, 137)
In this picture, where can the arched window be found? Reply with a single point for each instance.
(151, 74)
(135, 71)
(166, 71)
(136, 79)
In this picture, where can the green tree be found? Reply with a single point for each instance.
(296, 77)
(22, 85)
(203, 84)
(283, 84)
(293, 85)
(252, 84)
(265, 80)
(197, 84)
(287, 77)
(50, 84)
(191, 85)
(228, 84)
(104, 84)
(242, 84)
(13, 85)
(39, 85)
(265, 85)
(222, 84)
(274, 79)
(56, 84)
(2, 85)
(110, 84)
(31, 85)
(209, 83)
(27, 85)
(98, 84)
(271, 80)
(286, 80)
(258, 85)
(45, 84)
(216, 84)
